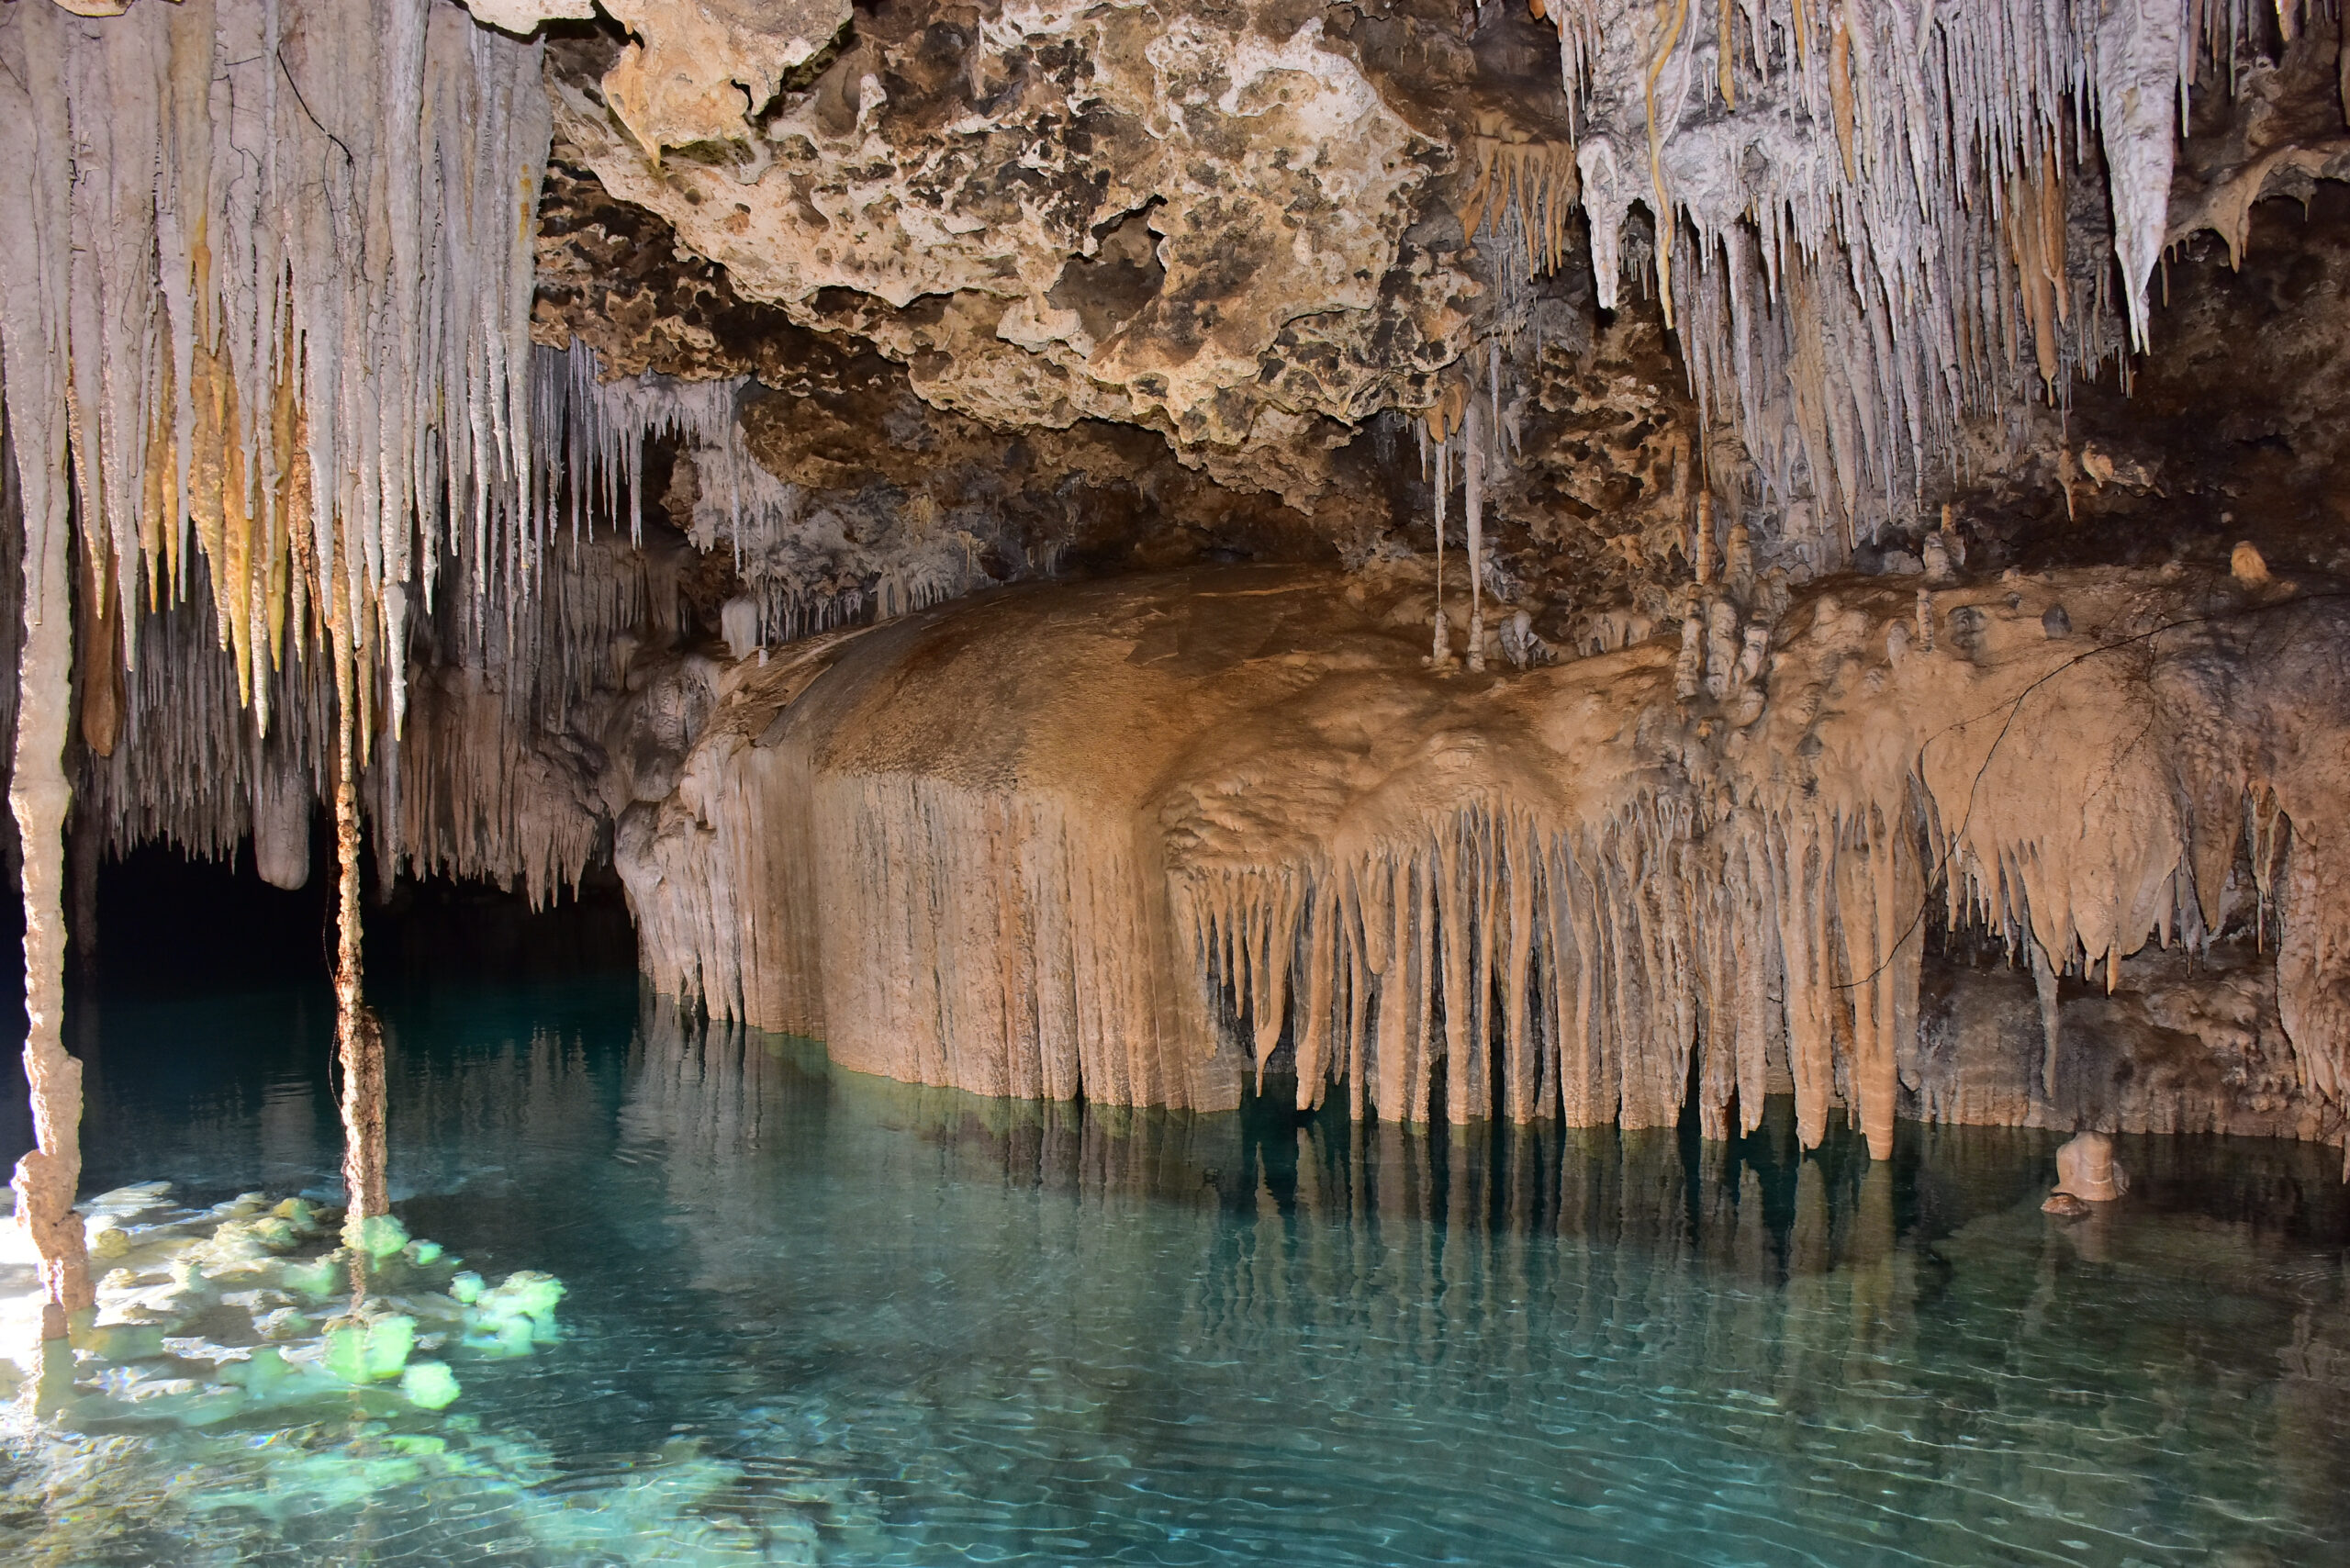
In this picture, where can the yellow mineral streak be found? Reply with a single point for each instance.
(213, 319)
(1535, 179)
(1671, 14)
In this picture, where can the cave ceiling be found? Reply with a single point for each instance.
(1202, 269)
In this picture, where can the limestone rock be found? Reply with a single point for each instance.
(1232, 819)
(526, 16)
(1197, 224)
(697, 70)
(2087, 1169)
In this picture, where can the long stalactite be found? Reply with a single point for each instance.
(47, 1177)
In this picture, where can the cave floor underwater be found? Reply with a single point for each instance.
(817, 1317)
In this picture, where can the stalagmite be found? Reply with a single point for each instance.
(1689, 669)
(1737, 565)
(1520, 644)
(1752, 658)
(2087, 1169)
(1721, 649)
(1936, 555)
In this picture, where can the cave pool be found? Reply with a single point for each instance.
(818, 1317)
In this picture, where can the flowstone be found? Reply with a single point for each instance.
(1232, 822)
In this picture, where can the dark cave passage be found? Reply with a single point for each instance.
(171, 924)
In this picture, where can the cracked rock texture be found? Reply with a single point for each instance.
(1198, 222)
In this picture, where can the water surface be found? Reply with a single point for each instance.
(816, 1318)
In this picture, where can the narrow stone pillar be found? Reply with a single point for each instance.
(1474, 463)
(359, 1038)
(38, 793)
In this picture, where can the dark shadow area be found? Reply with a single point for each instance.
(167, 921)
(170, 921)
(442, 930)
(173, 927)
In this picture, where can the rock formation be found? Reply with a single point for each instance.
(2087, 1169)
(1896, 565)
(1237, 820)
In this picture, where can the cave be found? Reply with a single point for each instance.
(888, 782)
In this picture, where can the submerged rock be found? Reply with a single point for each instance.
(2087, 1169)
(219, 1312)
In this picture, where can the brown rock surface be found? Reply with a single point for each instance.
(2087, 1169)
(1222, 820)
(1196, 224)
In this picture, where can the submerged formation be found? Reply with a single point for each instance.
(1567, 563)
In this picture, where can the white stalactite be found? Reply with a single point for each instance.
(1472, 463)
(1859, 213)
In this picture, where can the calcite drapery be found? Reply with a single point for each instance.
(1242, 797)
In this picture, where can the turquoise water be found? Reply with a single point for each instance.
(819, 1318)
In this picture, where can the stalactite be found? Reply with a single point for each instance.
(1440, 651)
(46, 1177)
(1873, 200)
(1533, 183)
(1473, 438)
(591, 438)
(286, 247)
(265, 284)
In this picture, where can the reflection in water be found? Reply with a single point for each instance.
(859, 1321)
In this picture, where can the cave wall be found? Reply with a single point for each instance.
(1224, 821)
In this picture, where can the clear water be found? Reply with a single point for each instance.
(819, 1319)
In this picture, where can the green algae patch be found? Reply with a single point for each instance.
(377, 1236)
(429, 1386)
(248, 1306)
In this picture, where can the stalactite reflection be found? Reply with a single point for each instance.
(1886, 1329)
(962, 1325)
